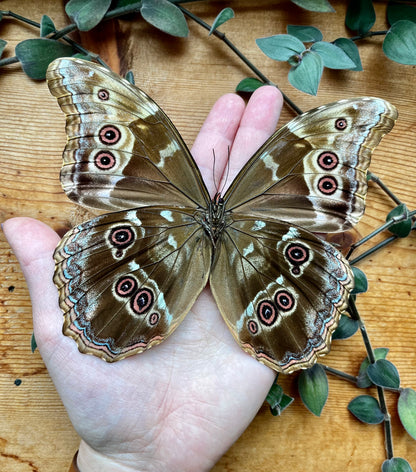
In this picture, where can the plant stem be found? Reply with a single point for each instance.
(369, 34)
(339, 373)
(384, 187)
(236, 51)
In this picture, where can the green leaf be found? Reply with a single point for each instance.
(384, 374)
(360, 16)
(307, 74)
(33, 344)
(277, 400)
(351, 50)
(313, 388)
(366, 409)
(36, 54)
(130, 77)
(398, 11)
(280, 47)
(396, 464)
(314, 5)
(3, 44)
(222, 17)
(399, 45)
(165, 16)
(360, 281)
(333, 57)
(363, 380)
(404, 227)
(306, 34)
(125, 3)
(346, 328)
(407, 410)
(46, 26)
(86, 14)
(249, 84)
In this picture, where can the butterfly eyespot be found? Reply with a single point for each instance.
(253, 327)
(121, 237)
(126, 286)
(284, 300)
(109, 134)
(267, 313)
(142, 301)
(327, 160)
(154, 318)
(297, 254)
(104, 160)
(327, 185)
(341, 124)
(103, 94)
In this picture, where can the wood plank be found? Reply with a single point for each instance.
(36, 434)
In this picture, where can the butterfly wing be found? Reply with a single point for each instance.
(123, 151)
(127, 279)
(312, 172)
(280, 289)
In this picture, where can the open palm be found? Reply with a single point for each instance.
(180, 405)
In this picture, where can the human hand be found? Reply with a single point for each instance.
(182, 404)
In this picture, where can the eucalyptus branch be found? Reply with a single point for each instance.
(338, 373)
(384, 187)
(368, 35)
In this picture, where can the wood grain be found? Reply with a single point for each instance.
(35, 432)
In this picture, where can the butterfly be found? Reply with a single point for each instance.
(127, 278)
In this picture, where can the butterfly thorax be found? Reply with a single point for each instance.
(213, 218)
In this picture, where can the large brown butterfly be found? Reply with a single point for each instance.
(126, 279)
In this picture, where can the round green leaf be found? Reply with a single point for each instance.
(346, 328)
(360, 15)
(280, 47)
(307, 74)
(407, 410)
(314, 5)
(313, 388)
(249, 84)
(2, 46)
(396, 464)
(384, 374)
(333, 57)
(306, 34)
(350, 48)
(222, 17)
(398, 11)
(404, 227)
(360, 281)
(36, 54)
(46, 26)
(165, 16)
(86, 14)
(363, 381)
(399, 45)
(366, 409)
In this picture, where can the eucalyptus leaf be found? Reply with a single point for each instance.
(130, 77)
(363, 381)
(165, 16)
(46, 26)
(86, 14)
(36, 54)
(404, 227)
(360, 281)
(396, 464)
(307, 74)
(384, 374)
(307, 34)
(280, 47)
(351, 49)
(346, 328)
(249, 84)
(275, 395)
(3, 44)
(360, 16)
(366, 409)
(322, 6)
(399, 11)
(407, 410)
(33, 344)
(399, 45)
(222, 17)
(333, 57)
(313, 388)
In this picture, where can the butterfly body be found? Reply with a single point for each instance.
(126, 279)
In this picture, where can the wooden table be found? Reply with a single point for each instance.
(35, 433)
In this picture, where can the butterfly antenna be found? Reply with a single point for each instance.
(213, 172)
(227, 172)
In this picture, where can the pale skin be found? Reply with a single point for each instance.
(179, 406)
